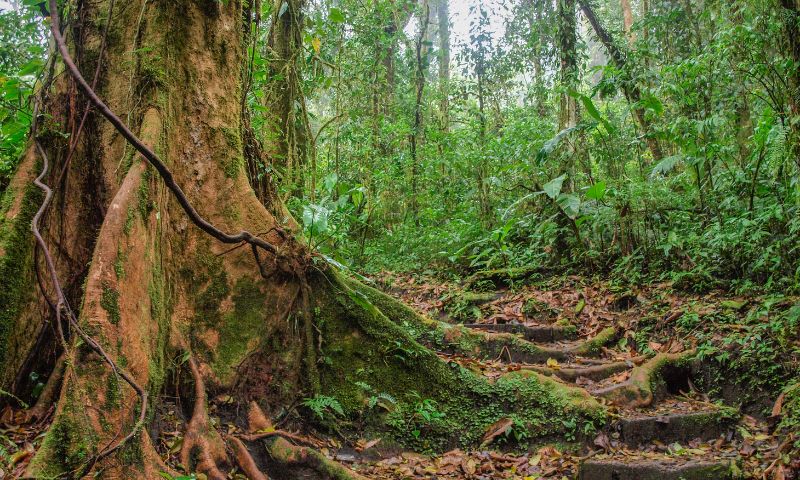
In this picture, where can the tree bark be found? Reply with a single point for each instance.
(627, 19)
(567, 38)
(443, 16)
(419, 82)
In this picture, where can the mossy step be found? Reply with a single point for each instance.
(656, 468)
(513, 348)
(538, 333)
(674, 427)
(595, 372)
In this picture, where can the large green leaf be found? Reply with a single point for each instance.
(596, 191)
(553, 187)
(666, 165)
(570, 203)
(335, 15)
(551, 144)
(592, 110)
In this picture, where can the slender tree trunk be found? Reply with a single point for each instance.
(416, 132)
(631, 89)
(627, 19)
(791, 15)
(287, 140)
(443, 16)
(567, 35)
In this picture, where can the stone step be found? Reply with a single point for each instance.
(670, 427)
(656, 467)
(538, 333)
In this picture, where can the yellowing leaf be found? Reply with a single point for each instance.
(316, 43)
(553, 363)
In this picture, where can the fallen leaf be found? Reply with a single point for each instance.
(496, 429)
(776, 409)
(468, 465)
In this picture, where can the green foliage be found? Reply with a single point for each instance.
(322, 405)
(21, 60)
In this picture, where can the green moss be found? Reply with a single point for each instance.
(233, 163)
(370, 348)
(232, 166)
(130, 217)
(119, 263)
(68, 444)
(595, 345)
(160, 310)
(151, 69)
(239, 328)
(15, 264)
(109, 301)
(143, 197)
(214, 281)
(113, 395)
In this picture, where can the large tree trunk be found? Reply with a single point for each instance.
(176, 307)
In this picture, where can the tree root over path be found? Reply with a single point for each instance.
(640, 389)
(200, 436)
(289, 455)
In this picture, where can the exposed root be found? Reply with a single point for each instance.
(200, 437)
(517, 349)
(283, 452)
(48, 395)
(593, 372)
(638, 391)
(245, 460)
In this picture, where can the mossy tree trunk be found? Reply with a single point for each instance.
(166, 300)
(287, 141)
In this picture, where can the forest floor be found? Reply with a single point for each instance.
(650, 319)
(682, 433)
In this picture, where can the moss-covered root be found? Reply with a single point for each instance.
(474, 343)
(201, 439)
(572, 398)
(245, 460)
(639, 390)
(290, 455)
(592, 372)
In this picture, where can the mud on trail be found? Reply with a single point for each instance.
(671, 413)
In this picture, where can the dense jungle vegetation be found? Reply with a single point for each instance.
(623, 175)
(652, 139)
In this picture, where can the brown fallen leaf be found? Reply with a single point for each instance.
(776, 409)
(603, 442)
(469, 466)
(496, 429)
(362, 444)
